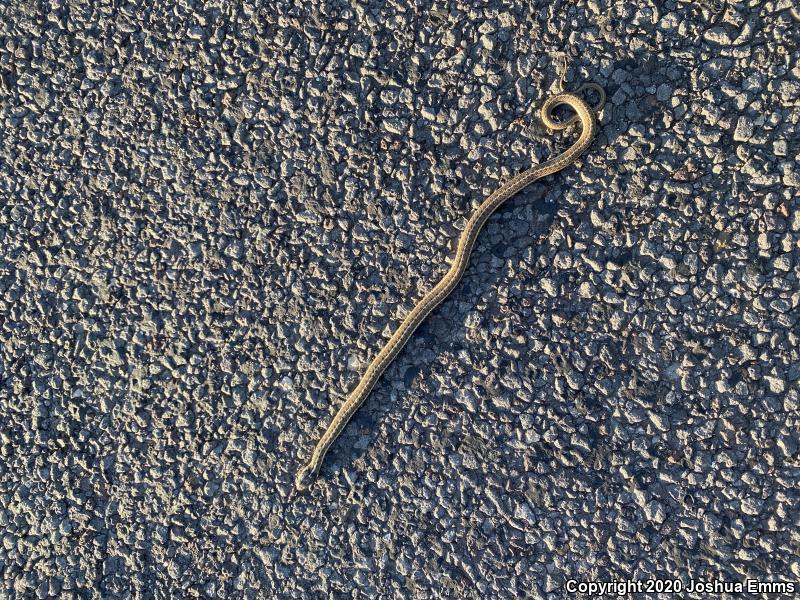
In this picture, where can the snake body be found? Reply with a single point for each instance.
(585, 114)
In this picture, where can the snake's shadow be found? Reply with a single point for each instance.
(445, 329)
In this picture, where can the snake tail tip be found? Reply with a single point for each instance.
(305, 477)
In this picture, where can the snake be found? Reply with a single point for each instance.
(586, 115)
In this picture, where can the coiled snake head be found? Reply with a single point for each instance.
(570, 98)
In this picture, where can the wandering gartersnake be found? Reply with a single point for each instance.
(584, 114)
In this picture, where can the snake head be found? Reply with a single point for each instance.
(575, 101)
(305, 477)
(590, 86)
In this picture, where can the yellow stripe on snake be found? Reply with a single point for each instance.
(584, 114)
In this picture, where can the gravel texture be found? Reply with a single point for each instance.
(212, 214)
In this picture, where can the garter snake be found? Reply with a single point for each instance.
(586, 116)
